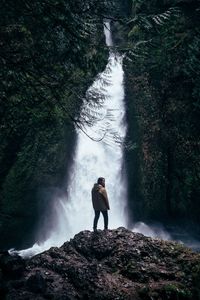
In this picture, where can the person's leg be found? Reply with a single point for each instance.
(105, 216)
(96, 218)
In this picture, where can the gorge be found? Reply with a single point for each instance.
(73, 212)
(51, 54)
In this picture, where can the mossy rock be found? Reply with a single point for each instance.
(176, 292)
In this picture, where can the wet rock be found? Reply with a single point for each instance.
(113, 264)
(36, 283)
(11, 266)
(3, 289)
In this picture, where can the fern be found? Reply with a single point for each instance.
(149, 21)
(193, 61)
(146, 29)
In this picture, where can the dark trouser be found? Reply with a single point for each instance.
(96, 218)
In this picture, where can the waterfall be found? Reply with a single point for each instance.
(95, 159)
(108, 36)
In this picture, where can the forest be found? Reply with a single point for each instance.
(51, 51)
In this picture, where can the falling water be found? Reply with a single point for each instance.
(95, 159)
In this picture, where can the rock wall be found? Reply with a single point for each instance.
(162, 95)
(55, 60)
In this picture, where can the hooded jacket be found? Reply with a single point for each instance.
(99, 198)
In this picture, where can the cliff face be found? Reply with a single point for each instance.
(162, 95)
(113, 264)
(49, 59)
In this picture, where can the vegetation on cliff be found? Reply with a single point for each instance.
(163, 91)
(48, 59)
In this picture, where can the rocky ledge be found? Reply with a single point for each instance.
(112, 264)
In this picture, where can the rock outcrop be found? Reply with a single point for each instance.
(112, 264)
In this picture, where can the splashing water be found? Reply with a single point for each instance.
(92, 160)
(151, 231)
(96, 159)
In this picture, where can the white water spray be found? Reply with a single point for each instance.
(151, 231)
(92, 160)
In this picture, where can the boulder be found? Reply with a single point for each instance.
(112, 264)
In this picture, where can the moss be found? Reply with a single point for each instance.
(38, 136)
(143, 292)
(135, 31)
(162, 116)
(175, 292)
(196, 280)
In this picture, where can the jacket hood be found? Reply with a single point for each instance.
(97, 186)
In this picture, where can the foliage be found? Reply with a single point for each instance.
(48, 59)
(42, 44)
(163, 73)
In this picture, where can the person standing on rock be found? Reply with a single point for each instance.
(100, 202)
